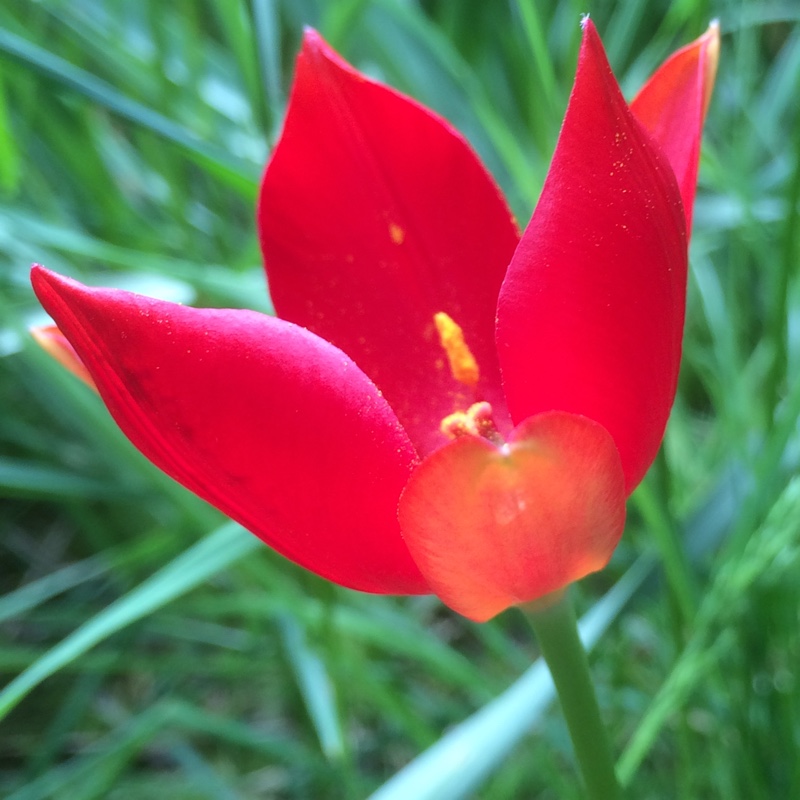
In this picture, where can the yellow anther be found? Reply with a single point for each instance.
(463, 365)
(477, 420)
(458, 424)
(482, 417)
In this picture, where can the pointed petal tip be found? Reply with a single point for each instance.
(588, 29)
(312, 40)
(45, 283)
(316, 49)
(38, 273)
(317, 59)
(54, 291)
(711, 43)
(710, 40)
(40, 270)
(591, 43)
(41, 276)
(46, 287)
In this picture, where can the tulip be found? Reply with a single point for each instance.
(441, 405)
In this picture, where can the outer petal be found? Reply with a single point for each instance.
(374, 215)
(672, 106)
(272, 425)
(492, 527)
(590, 316)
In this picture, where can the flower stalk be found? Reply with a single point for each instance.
(556, 629)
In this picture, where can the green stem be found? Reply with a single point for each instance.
(556, 629)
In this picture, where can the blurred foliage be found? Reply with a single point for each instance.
(132, 137)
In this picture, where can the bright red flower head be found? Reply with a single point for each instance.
(443, 405)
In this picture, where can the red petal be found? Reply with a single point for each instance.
(590, 316)
(55, 344)
(264, 420)
(672, 106)
(490, 528)
(374, 215)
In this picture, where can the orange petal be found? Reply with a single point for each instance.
(672, 106)
(55, 344)
(493, 527)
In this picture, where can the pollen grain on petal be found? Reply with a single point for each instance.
(397, 234)
(463, 365)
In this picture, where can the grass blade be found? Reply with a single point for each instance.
(209, 556)
(236, 173)
(465, 756)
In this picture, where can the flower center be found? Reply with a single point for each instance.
(478, 419)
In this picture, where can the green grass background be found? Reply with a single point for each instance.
(150, 649)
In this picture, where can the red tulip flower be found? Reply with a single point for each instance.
(442, 405)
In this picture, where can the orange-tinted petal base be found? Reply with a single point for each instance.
(56, 345)
(491, 527)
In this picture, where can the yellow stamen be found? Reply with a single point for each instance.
(477, 421)
(463, 365)
(458, 424)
